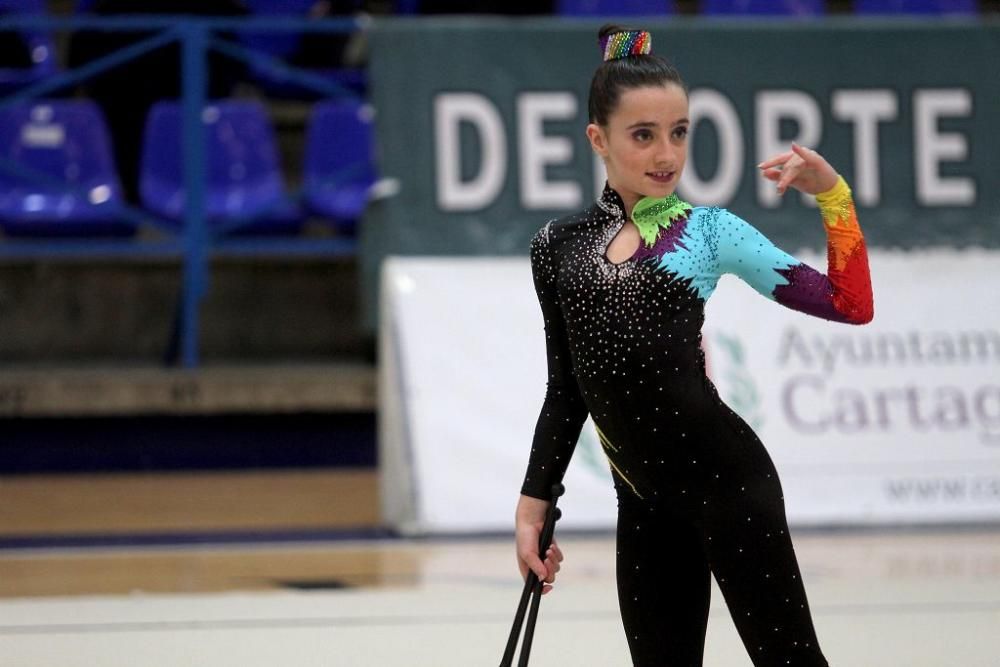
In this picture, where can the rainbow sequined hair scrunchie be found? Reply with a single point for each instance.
(626, 43)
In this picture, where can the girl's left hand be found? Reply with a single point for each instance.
(529, 520)
(801, 168)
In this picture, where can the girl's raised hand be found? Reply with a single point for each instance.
(801, 168)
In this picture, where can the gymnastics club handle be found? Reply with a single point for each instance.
(530, 582)
(551, 516)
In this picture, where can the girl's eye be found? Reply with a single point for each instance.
(643, 135)
(681, 132)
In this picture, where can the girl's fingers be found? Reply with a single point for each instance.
(552, 566)
(806, 154)
(801, 166)
(793, 168)
(787, 176)
(535, 564)
(553, 558)
(824, 176)
(776, 160)
(787, 179)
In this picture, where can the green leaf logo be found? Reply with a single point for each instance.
(738, 388)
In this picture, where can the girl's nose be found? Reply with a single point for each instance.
(666, 153)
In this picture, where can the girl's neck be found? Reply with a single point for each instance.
(629, 199)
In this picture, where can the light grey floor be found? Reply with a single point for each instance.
(914, 599)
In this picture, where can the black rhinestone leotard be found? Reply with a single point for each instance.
(697, 492)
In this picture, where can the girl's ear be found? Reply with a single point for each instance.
(598, 140)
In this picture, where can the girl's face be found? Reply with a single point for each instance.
(644, 144)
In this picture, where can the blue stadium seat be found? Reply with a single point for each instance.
(764, 7)
(40, 45)
(277, 44)
(614, 7)
(932, 7)
(284, 45)
(339, 169)
(57, 174)
(244, 190)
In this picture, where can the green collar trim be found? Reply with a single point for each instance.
(650, 214)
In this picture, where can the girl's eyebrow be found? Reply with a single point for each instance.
(649, 123)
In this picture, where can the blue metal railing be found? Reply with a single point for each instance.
(194, 245)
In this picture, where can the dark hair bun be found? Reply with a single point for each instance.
(628, 62)
(610, 29)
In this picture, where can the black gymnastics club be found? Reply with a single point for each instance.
(532, 589)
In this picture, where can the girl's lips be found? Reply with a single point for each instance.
(661, 176)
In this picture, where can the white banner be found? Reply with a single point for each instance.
(894, 422)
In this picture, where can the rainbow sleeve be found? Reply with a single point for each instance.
(844, 294)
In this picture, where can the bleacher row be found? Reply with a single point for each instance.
(57, 173)
(762, 7)
(40, 59)
(41, 49)
(58, 168)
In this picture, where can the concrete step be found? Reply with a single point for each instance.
(120, 391)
